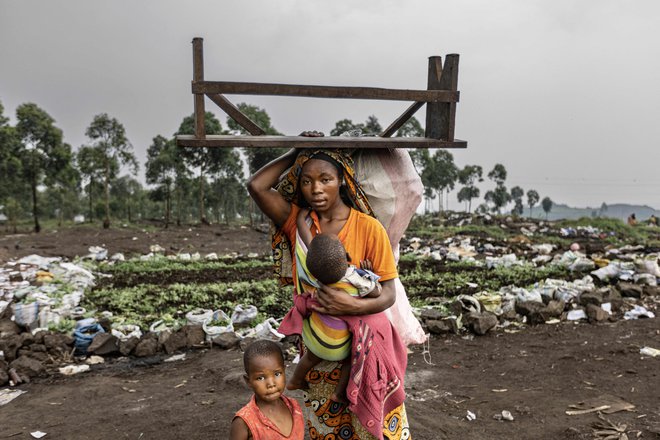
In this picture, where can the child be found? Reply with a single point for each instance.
(327, 261)
(269, 415)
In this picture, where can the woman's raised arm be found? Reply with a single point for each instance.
(261, 188)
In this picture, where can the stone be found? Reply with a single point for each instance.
(58, 342)
(243, 343)
(10, 345)
(28, 366)
(439, 326)
(611, 295)
(630, 290)
(8, 328)
(226, 340)
(4, 376)
(553, 309)
(38, 347)
(651, 290)
(27, 339)
(194, 335)
(431, 315)
(594, 297)
(39, 337)
(146, 347)
(526, 308)
(596, 314)
(481, 323)
(128, 345)
(163, 336)
(104, 344)
(234, 377)
(38, 355)
(175, 342)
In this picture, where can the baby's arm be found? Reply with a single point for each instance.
(375, 292)
(303, 229)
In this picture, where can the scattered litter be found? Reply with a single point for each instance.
(504, 415)
(502, 390)
(471, 416)
(70, 370)
(576, 315)
(607, 430)
(94, 360)
(638, 312)
(648, 351)
(8, 394)
(176, 357)
(38, 434)
(606, 403)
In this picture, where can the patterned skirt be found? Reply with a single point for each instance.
(329, 420)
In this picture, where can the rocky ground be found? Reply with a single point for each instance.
(533, 374)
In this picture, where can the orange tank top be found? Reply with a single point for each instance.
(262, 428)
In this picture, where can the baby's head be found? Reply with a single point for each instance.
(327, 259)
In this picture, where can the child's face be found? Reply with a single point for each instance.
(266, 377)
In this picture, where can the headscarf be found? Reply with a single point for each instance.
(288, 187)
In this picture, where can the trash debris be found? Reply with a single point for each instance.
(471, 416)
(648, 351)
(70, 370)
(38, 434)
(607, 430)
(576, 315)
(8, 394)
(606, 403)
(504, 415)
(243, 315)
(176, 357)
(638, 312)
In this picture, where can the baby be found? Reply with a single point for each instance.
(269, 414)
(328, 262)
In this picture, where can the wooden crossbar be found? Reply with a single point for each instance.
(440, 98)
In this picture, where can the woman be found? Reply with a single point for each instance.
(323, 181)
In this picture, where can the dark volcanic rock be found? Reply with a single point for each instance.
(8, 328)
(226, 340)
(104, 344)
(146, 347)
(28, 366)
(630, 290)
(481, 323)
(596, 314)
(9, 345)
(128, 345)
(175, 342)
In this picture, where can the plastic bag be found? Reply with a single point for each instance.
(212, 330)
(243, 315)
(84, 335)
(199, 316)
(26, 314)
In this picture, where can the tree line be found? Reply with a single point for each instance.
(43, 177)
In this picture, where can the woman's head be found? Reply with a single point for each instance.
(320, 182)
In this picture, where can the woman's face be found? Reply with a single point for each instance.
(319, 185)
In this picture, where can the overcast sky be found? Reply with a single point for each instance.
(564, 93)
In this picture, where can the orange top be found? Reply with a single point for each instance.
(363, 237)
(262, 428)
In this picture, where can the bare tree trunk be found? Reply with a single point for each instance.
(106, 221)
(37, 227)
(167, 207)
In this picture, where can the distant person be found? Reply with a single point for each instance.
(328, 263)
(653, 220)
(632, 220)
(269, 415)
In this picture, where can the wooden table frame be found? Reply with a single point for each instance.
(440, 98)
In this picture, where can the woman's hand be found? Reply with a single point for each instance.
(312, 133)
(338, 302)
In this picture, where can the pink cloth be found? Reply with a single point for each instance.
(378, 362)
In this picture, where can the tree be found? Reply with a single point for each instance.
(517, 194)
(498, 174)
(63, 190)
(547, 203)
(469, 176)
(445, 171)
(164, 165)
(42, 152)
(108, 136)
(90, 165)
(10, 163)
(344, 126)
(499, 197)
(532, 199)
(212, 161)
(125, 191)
(412, 128)
(372, 126)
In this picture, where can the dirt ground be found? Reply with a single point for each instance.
(535, 373)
